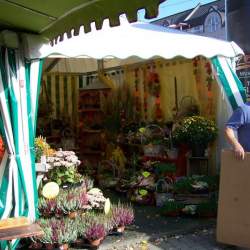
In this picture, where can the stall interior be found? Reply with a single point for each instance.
(146, 129)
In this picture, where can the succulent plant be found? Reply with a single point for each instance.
(95, 231)
(122, 215)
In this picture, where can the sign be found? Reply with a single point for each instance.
(243, 72)
(233, 223)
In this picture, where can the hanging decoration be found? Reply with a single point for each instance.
(154, 88)
(209, 80)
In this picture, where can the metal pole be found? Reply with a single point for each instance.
(226, 24)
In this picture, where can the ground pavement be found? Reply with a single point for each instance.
(152, 231)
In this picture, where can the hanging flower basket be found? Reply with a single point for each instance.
(153, 150)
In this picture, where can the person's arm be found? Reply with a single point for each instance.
(238, 149)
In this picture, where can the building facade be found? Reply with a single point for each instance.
(205, 20)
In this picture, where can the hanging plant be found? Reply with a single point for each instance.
(154, 86)
(209, 78)
(195, 66)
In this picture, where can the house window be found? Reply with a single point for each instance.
(212, 22)
(196, 29)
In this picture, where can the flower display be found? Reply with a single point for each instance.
(42, 148)
(63, 158)
(95, 231)
(122, 215)
(57, 231)
(96, 199)
(196, 130)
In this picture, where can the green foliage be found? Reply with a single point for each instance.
(212, 181)
(65, 175)
(68, 200)
(207, 208)
(172, 206)
(162, 168)
(183, 186)
(57, 231)
(195, 130)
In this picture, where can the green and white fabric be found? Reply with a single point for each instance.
(231, 84)
(19, 89)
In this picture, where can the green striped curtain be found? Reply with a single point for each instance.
(231, 84)
(19, 91)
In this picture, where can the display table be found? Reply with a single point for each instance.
(26, 231)
(41, 170)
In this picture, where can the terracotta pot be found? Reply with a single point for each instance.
(36, 245)
(72, 215)
(49, 246)
(78, 243)
(63, 247)
(120, 229)
(172, 214)
(95, 243)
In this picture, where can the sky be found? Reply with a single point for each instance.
(171, 7)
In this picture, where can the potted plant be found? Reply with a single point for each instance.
(41, 148)
(183, 186)
(197, 132)
(122, 216)
(95, 233)
(65, 175)
(57, 233)
(47, 207)
(172, 208)
(207, 209)
(96, 200)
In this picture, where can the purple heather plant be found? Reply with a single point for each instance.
(83, 200)
(122, 215)
(95, 231)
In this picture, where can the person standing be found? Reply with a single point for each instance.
(239, 124)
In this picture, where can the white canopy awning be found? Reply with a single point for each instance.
(143, 40)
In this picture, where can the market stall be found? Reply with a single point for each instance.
(20, 78)
(137, 116)
(162, 69)
(149, 116)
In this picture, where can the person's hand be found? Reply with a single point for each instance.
(239, 152)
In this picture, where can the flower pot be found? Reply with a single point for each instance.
(172, 213)
(79, 243)
(35, 245)
(72, 215)
(172, 153)
(49, 246)
(63, 246)
(96, 243)
(120, 229)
